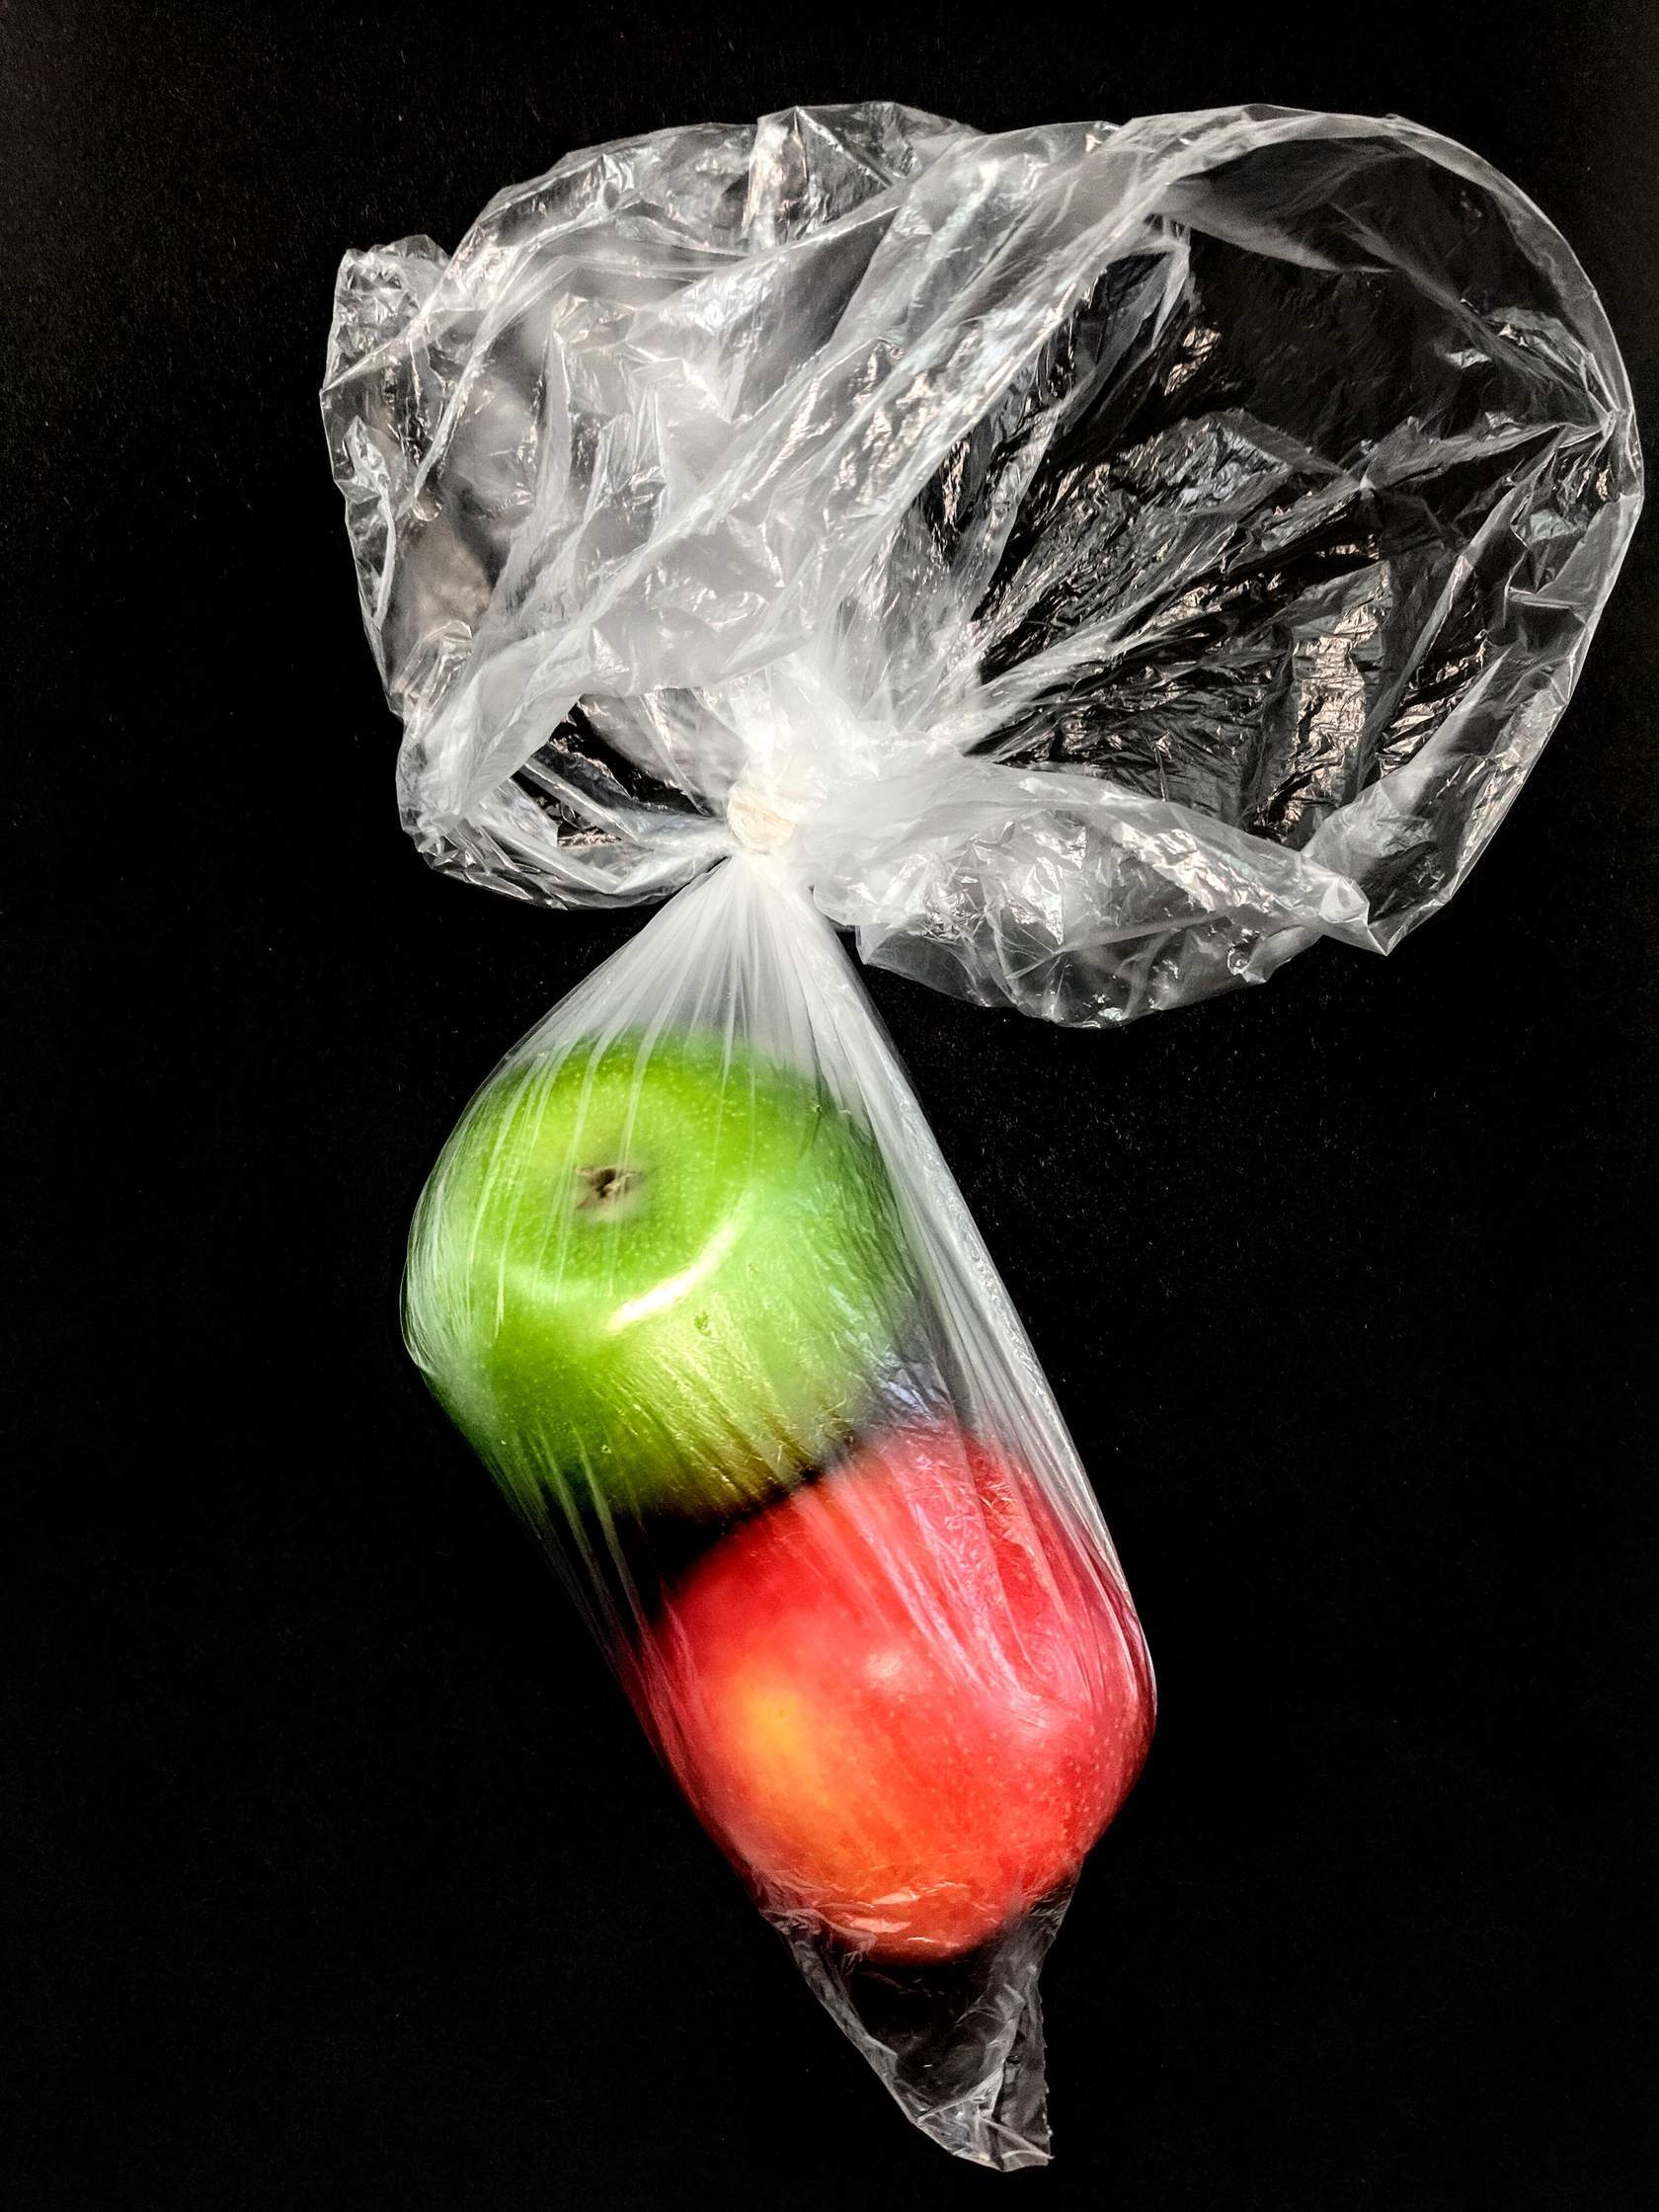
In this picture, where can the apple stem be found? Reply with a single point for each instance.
(606, 1189)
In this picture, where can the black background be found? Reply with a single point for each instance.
(346, 1878)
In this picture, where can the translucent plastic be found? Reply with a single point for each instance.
(1090, 564)
(1133, 552)
(693, 1276)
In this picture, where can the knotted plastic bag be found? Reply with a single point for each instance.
(1090, 564)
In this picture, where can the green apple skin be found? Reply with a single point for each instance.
(660, 1272)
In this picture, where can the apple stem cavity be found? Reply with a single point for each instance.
(609, 1193)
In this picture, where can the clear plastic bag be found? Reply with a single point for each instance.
(1090, 564)
(696, 1282)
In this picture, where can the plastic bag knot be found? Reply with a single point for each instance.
(756, 821)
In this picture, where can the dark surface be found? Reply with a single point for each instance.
(346, 1877)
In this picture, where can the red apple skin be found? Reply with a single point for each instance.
(906, 1700)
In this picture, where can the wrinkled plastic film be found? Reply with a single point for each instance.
(1090, 564)
(1147, 549)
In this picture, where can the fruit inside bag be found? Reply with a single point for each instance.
(693, 1278)
(1093, 565)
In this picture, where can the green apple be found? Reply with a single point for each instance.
(658, 1271)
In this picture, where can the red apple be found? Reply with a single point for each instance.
(906, 1700)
